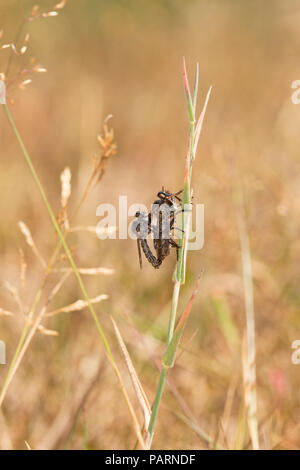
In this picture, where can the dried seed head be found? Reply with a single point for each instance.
(14, 49)
(77, 306)
(96, 271)
(24, 84)
(65, 179)
(47, 332)
(34, 10)
(60, 5)
(2, 92)
(39, 69)
(26, 232)
(36, 13)
(50, 13)
(109, 148)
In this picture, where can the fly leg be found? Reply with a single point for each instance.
(139, 251)
(175, 245)
(176, 195)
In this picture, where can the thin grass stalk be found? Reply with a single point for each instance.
(179, 277)
(75, 269)
(192, 425)
(249, 363)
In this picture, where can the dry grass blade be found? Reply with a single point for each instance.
(201, 119)
(191, 108)
(231, 392)
(5, 439)
(64, 422)
(194, 426)
(249, 349)
(27, 445)
(77, 306)
(250, 394)
(140, 393)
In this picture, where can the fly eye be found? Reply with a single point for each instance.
(137, 214)
(161, 194)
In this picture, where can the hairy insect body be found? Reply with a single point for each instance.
(156, 262)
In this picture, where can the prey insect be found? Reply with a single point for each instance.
(159, 223)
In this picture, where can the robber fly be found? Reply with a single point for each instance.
(159, 222)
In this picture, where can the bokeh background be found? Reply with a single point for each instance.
(125, 58)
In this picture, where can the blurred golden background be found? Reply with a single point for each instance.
(125, 58)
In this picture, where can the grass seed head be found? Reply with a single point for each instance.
(60, 5)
